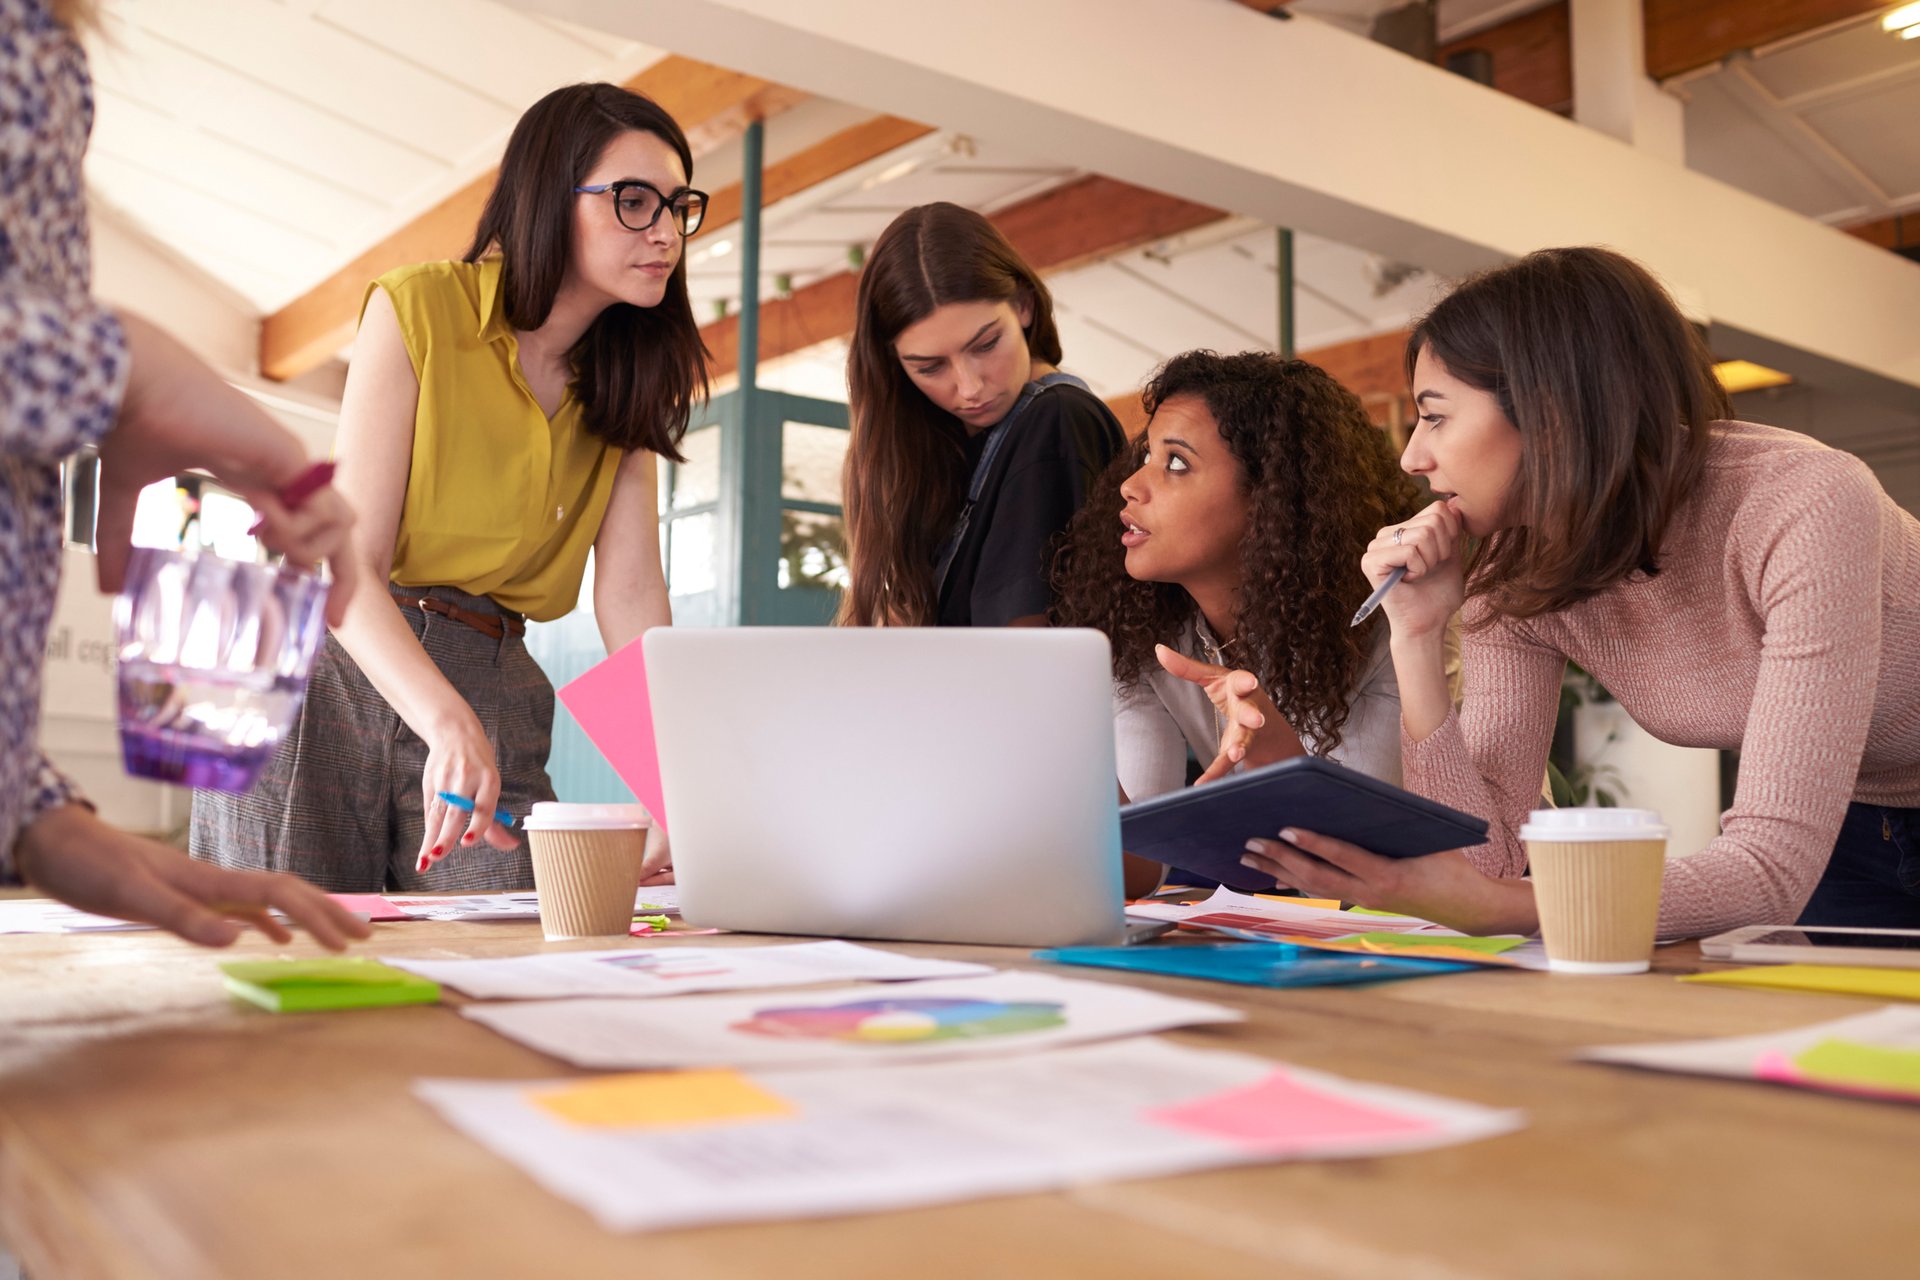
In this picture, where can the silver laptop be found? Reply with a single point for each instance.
(930, 785)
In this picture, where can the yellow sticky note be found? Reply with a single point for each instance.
(1329, 904)
(661, 1099)
(1863, 1066)
(1886, 984)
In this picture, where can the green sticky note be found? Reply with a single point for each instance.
(1862, 1066)
(1369, 911)
(333, 982)
(1395, 941)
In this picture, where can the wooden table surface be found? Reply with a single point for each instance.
(152, 1127)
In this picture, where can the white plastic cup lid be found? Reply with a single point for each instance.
(1593, 824)
(558, 815)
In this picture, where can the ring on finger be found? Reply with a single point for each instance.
(1398, 534)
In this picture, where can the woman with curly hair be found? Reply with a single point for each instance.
(1217, 555)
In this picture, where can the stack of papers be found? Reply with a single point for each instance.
(691, 1148)
(1873, 1055)
(667, 971)
(845, 1026)
(658, 900)
(1325, 927)
(44, 915)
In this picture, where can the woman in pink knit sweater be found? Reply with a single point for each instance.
(1731, 585)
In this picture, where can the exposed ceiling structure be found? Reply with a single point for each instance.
(270, 144)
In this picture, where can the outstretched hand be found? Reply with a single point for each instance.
(1252, 729)
(72, 855)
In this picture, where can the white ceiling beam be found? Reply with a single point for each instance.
(1786, 124)
(1299, 124)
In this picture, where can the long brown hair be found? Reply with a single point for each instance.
(636, 370)
(1612, 391)
(1319, 480)
(906, 469)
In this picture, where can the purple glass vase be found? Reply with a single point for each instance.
(213, 662)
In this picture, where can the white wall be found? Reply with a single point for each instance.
(135, 272)
(1681, 784)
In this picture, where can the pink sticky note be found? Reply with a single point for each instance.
(372, 905)
(612, 706)
(1280, 1115)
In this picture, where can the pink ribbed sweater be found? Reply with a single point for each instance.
(1784, 621)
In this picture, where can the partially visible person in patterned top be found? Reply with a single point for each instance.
(74, 373)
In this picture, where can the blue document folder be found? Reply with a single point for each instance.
(1252, 964)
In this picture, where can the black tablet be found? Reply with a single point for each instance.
(1206, 828)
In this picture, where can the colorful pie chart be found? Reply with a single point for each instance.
(903, 1021)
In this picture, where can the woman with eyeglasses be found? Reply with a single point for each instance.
(503, 416)
(970, 449)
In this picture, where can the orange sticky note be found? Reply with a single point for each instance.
(661, 1099)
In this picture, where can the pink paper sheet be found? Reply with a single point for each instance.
(375, 906)
(613, 707)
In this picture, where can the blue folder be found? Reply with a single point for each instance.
(1253, 964)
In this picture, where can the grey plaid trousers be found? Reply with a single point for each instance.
(340, 805)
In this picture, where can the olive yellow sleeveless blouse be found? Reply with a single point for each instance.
(501, 500)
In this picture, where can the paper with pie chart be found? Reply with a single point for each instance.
(1001, 1013)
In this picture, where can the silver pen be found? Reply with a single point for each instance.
(1365, 611)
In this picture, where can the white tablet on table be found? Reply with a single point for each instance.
(1816, 944)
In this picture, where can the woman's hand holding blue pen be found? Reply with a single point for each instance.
(460, 761)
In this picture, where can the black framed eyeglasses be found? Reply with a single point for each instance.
(638, 204)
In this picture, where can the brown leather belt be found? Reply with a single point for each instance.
(492, 625)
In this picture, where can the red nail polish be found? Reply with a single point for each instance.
(422, 864)
(437, 851)
(467, 838)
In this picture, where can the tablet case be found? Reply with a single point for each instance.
(1206, 828)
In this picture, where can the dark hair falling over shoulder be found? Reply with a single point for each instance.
(1613, 392)
(1319, 480)
(637, 371)
(905, 471)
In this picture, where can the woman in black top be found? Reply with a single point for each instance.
(970, 449)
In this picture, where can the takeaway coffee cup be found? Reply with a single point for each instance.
(586, 865)
(1596, 882)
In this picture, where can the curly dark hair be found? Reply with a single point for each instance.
(1320, 480)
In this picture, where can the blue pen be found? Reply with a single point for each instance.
(465, 805)
(1365, 611)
